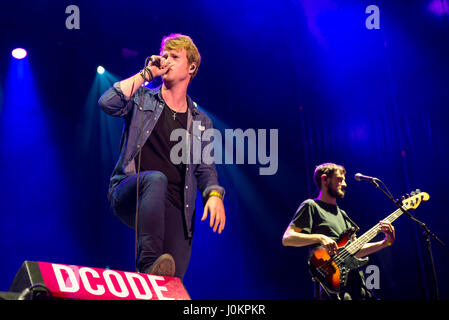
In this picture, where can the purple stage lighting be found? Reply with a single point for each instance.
(439, 7)
(19, 53)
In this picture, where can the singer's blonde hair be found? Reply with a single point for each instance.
(177, 41)
(328, 169)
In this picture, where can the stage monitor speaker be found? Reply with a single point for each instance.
(43, 280)
(29, 284)
(9, 296)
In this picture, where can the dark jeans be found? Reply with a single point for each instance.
(355, 289)
(161, 226)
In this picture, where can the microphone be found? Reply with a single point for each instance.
(360, 177)
(151, 61)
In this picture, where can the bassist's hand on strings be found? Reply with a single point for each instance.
(329, 244)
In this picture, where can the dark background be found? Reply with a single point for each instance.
(375, 101)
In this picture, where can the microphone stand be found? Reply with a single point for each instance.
(426, 232)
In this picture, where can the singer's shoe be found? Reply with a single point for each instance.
(163, 266)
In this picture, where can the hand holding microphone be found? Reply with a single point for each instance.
(155, 66)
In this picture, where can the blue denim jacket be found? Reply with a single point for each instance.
(202, 176)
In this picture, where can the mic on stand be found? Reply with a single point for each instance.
(360, 177)
(427, 233)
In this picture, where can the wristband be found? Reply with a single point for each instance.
(151, 73)
(215, 193)
(143, 72)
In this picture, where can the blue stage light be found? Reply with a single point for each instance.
(19, 53)
(100, 70)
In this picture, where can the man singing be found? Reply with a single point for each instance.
(166, 189)
(320, 222)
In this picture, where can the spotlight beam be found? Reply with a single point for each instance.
(100, 70)
(19, 53)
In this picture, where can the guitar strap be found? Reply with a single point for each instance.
(357, 229)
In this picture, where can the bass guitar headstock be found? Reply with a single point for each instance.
(414, 199)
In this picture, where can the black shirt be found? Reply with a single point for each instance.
(316, 216)
(156, 153)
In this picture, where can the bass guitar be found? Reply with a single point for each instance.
(332, 270)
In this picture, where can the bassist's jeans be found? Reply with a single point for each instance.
(355, 289)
